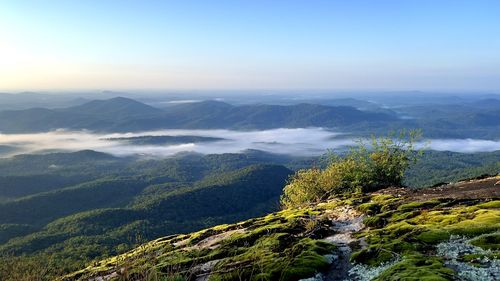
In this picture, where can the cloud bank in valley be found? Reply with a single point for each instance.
(300, 142)
(310, 141)
(464, 145)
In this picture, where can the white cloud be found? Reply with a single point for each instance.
(306, 141)
(301, 141)
(464, 145)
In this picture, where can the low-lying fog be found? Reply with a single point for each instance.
(303, 142)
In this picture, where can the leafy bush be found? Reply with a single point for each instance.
(367, 167)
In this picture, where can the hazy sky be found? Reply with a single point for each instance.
(254, 44)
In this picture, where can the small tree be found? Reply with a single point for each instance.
(390, 157)
(366, 167)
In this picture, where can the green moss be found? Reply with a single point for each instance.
(385, 201)
(488, 241)
(378, 253)
(383, 198)
(330, 205)
(374, 221)
(399, 228)
(373, 255)
(273, 258)
(398, 216)
(490, 205)
(418, 268)
(369, 208)
(485, 221)
(305, 265)
(418, 205)
(413, 230)
(433, 236)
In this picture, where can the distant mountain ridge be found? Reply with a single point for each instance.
(480, 119)
(124, 114)
(115, 107)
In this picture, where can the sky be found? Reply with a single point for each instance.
(254, 44)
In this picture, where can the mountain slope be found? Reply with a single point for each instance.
(211, 114)
(44, 207)
(395, 234)
(95, 219)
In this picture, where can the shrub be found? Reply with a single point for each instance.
(304, 186)
(367, 167)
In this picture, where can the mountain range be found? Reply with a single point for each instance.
(123, 114)
(471, 119)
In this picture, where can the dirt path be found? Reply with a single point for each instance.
(348, 222)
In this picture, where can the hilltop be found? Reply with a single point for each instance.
(436, 233)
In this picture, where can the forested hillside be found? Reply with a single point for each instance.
(105, 204)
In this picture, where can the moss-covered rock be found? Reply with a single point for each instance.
(488, 241)
(416, 268)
